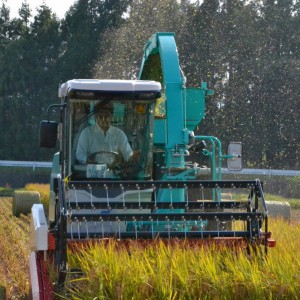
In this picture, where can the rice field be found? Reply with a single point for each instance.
(159, 271)
(180, 271)
(14, 251)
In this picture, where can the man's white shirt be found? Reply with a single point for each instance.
(92, 139)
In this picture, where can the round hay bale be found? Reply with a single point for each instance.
(281, 209)
(23, 201)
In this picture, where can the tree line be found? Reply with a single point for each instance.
(247, 52)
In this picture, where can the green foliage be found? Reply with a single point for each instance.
(41, 54)
(6, 192)
(82, 31)
(18, 177)
(122, 48)
(293, 187)
(27, 83)
(231, 46)
(262, 93)
(152, 69)
(247, 51)
(276, 188)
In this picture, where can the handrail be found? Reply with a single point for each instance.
(245, 171)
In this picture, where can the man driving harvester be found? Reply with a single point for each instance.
(102, 142)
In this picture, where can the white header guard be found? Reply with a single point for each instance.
(39, 228)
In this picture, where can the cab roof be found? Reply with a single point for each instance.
(109, 85)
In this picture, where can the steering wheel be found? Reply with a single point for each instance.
(122, 169)
(117, 158)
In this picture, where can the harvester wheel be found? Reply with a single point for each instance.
(23, 201)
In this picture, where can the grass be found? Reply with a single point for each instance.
(6, 192)
(294, 203)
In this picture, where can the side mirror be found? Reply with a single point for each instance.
(48, 134)
(234, 156)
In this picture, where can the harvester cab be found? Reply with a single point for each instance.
(131, 167)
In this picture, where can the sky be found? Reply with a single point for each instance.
(59, 7)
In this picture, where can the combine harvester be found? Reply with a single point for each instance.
(159, 188)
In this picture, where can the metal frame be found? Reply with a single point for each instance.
(168, 212)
